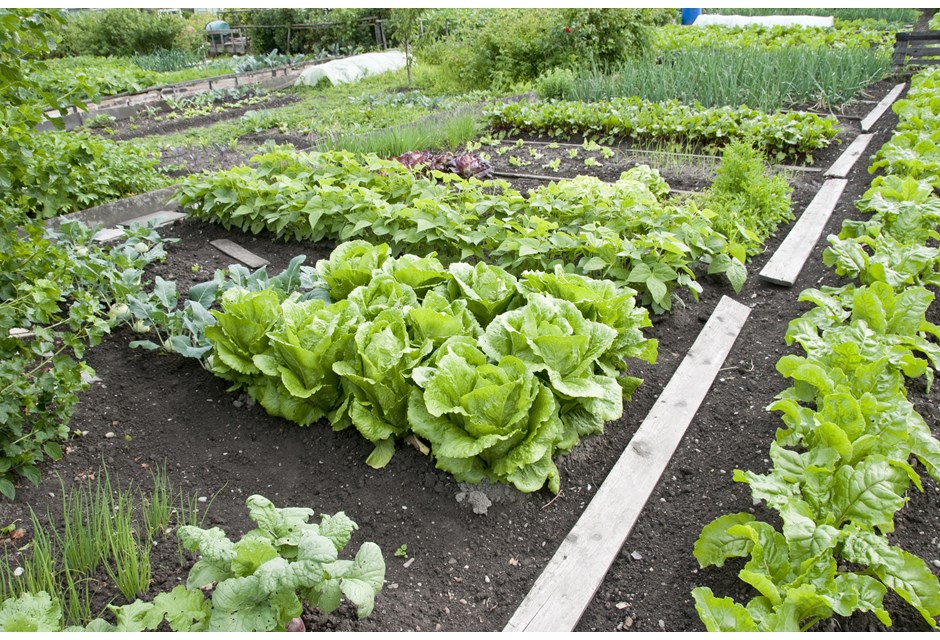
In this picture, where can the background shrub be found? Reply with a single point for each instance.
(120, 32)
(502, 47)
(348, 32)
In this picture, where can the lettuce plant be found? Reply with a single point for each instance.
(350, 265)
(485, 420)
(417, 349)
(605, 302)
(241, 331)
(304, 347)
(375, 377)
(489, 290)
(555, 341)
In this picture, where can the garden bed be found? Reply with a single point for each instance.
(469, 570)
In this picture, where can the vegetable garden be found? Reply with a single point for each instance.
(456, 300)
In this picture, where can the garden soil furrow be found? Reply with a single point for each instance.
(469, 570)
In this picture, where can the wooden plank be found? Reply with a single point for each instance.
(157, 218)
(917, 35)
(785, 265)
(869, 121)
(238, 252)
(930, 49)
(568, 583)
(841, 167)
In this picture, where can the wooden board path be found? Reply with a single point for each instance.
(869, 121)
(785, 265)
(841, 167)
(567, 585)
(157, 219)
(238, 252)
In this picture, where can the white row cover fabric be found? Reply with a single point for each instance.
(766, 21)
(353, 68)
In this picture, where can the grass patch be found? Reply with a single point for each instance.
(760, 79)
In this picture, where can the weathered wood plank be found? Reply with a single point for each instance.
(869, 121)
(841, 167)
(158, 218)
(566, 586)
(238, 252)
(785, 265)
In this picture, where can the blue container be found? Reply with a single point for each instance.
(689, 15)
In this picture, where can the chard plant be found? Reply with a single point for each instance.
(844, 461)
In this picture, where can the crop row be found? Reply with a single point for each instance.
(850, 36)
(842, 463)
(498, 375)
(622, 231)
(781, 135)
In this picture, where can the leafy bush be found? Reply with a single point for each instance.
(606, 37)
(346, 29)
(753, 204)
(120, 32)
(508, 46)
(55, 290)
(555, 84)
(76, 170)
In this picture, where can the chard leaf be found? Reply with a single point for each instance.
(869, 494)
(721, 614)
(802, 531)
(902, 572)
(854, 592)
(772, 488)
(926, 448)
(801, 608)
(723, 539)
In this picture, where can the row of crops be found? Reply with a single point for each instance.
(843, 461)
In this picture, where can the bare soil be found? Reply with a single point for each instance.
(469, 571)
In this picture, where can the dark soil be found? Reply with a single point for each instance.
(143, 125)
(469, 571)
